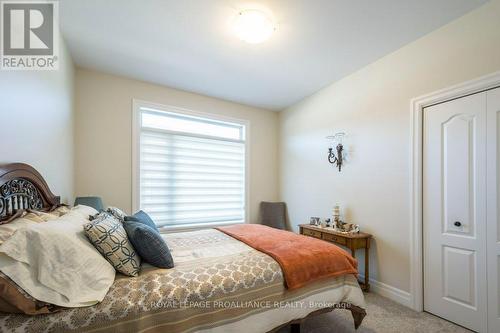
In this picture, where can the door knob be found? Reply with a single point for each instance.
(457, 224)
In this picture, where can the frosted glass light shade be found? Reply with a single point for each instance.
(253, 26)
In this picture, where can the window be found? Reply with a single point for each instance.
(190, 169)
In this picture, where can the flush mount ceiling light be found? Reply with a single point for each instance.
(253, 26)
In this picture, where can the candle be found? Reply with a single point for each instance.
(336, 211)
(336, 216)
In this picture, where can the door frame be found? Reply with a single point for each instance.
(417, 106)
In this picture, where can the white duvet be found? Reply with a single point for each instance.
(55, 263)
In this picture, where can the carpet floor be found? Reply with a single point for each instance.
(383, 316)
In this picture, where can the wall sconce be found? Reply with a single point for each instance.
(336, 158)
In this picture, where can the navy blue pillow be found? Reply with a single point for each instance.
(148, 243)
(144, 218)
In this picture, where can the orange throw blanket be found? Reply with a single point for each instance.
(303, 259)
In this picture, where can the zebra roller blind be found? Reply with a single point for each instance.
(192, 169)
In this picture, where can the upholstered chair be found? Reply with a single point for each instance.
(273, 214)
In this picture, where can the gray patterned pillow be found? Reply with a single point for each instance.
(117, 212)
(108, 236)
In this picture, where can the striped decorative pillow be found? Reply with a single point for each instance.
(108, 236)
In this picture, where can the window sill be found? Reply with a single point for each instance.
(195, 227)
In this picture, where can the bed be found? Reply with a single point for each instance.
(218, 284)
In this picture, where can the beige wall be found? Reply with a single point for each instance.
(373, 107)
(104, 129)
(36, 119)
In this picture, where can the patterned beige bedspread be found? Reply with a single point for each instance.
(216, 282)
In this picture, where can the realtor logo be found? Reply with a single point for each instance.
(28, 35)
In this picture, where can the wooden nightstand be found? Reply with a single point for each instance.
(351, 241)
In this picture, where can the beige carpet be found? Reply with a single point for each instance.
(383, 316)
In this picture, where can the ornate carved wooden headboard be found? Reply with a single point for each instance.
(22, 187)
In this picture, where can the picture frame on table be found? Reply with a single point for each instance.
(314, 221)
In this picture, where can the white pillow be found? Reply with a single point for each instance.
(8, 229)
(85, 211)
(55, 263)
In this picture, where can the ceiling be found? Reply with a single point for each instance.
(187, 44)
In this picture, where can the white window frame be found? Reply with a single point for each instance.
(137, 104)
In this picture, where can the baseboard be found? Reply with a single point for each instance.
(397, 295)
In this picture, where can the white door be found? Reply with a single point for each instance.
(454, 203)
(493, 255)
